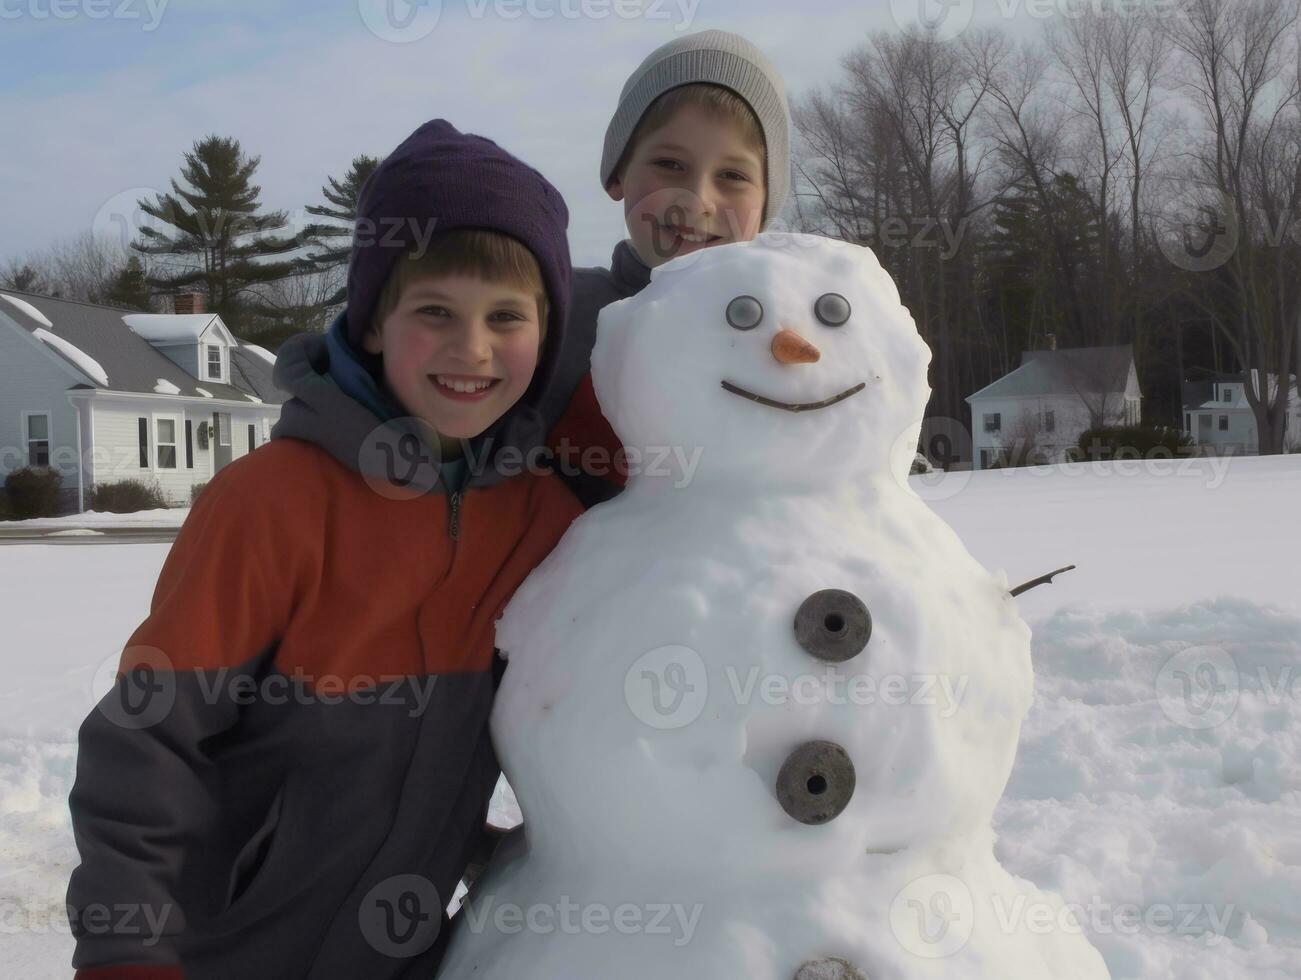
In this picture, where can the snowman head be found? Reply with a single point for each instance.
(788, 359)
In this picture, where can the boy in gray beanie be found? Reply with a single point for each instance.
(698, 151)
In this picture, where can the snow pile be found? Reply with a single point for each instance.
(203, 391)
(163, 517)
(165, 387)
(83, 361)
(26, 308)
(261, 352)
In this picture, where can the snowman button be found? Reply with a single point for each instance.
(832, 968)
(833, 625)
(816, 782)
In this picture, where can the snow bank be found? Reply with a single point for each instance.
(261, 352)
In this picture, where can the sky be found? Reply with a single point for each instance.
(102, 97)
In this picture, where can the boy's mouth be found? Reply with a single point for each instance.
(675, 237)
(463, 387)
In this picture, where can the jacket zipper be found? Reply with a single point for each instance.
(454, 515)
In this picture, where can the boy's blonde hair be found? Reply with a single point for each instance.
(721, 103)
(489, 255)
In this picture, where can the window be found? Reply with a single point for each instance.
(1228, 393)
(38, 439)
(214, 362)
(166, 444)
(993, 422)
(142, 428)
(1224, 423)
(189, 444)
(1050, 421)
(223, 428)
(252, 437)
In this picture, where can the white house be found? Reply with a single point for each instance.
(1051, 399)
(103, 395)
(1217, 415)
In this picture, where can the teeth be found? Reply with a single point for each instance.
(694, 237)
(457, 384)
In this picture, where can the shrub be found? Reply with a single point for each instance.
(127, 497)
(195, 490)
(33, 491)
(1134, 442)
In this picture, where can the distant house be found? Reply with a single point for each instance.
(1051, 399)
(103, 395)
(1218, 416)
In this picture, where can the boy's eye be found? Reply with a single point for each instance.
(507, 316)
(668, 164)
(434, 310)
(735, 175)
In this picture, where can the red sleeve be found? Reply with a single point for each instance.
(584, 438)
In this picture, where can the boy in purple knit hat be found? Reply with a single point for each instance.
(293, 769)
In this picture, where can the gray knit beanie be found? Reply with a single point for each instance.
(717, 58)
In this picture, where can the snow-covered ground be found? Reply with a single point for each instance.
(164, 517)
(1158, 782)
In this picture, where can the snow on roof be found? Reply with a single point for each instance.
(165, 387)
(169, 328)
(203, 391)
(261, 352)
(253, 398)
(25, 307)
(83, 361)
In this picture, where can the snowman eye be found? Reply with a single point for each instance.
(744, 313)
(831, 309)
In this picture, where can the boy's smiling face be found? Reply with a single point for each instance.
(690, 184)
(459, 351)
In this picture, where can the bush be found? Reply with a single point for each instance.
(195, 490)
(127, 497)
(1134, 442)
(33, 491)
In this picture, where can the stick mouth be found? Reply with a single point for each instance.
(793, 406)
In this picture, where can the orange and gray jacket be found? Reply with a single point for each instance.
(294, 765)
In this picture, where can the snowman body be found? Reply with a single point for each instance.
(683, 662)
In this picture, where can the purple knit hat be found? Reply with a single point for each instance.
(439, 179)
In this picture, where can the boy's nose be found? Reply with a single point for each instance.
(472, 345)
(788, 347)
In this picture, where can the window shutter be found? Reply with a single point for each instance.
(143, 429)
(252, 438)
(189, 444)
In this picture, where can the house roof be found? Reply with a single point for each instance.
(170, 328)
(1077, 370)
(131, 362)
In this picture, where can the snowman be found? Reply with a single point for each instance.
(760, 706)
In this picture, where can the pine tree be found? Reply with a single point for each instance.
(222, 240)
(334, 240)
(129, 289)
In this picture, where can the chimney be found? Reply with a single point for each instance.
(1050, 341)
(187, 303)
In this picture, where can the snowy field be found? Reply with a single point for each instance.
(1158, 782)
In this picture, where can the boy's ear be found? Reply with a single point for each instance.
(372, 340)
(615, 189)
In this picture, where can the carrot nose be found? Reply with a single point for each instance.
(790, 348)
